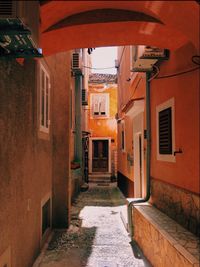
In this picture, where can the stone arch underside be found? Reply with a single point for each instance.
(113, 26)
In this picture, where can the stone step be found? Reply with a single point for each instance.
(98, 181)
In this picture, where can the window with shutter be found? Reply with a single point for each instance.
(44, 93)
(100, 105)
(123, 136)
(166, 131)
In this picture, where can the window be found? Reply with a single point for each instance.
(165, 131)
(123, 136)
(46, 216)
(44, 93)
(100, 105)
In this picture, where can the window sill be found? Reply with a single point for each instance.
(100, 117)
(43, 135)
(166, 158)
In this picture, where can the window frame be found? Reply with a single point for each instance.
(123, 137)
(167, 104)
(44, 235)
(100, 116)
(44, 112)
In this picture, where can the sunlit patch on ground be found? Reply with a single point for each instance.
(96, 236)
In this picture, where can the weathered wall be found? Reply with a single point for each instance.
(184, 172)
(125, 185)
(59, 65)
(163, 241)
(131, 86)
(25, 163)
(31, 162)
(181, 205)
(175, 185)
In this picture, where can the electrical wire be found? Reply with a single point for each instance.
(98, 68)
(194, 60)
(177, 74)
(108, 67)
(156, 74)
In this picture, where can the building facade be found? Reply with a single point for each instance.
(35, 125)
(102, 99)
(174, 124)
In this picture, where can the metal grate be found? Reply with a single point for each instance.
(6, 8)
(84, 97)
(165, 131)
(75, 61)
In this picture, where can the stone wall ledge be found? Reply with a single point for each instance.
(153, 229)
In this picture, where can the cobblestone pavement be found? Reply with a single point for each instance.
(96, 236)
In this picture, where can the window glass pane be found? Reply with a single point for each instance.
(47, 102)
(71, 109)
(122, 139)
(103, 105)
(105, 148)
(99, 103)
(42, 97)
(95, 149)
(95, 105)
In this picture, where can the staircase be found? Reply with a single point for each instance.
(100, 178)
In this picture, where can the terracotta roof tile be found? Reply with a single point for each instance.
(102, 78)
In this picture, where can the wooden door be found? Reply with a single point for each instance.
(100, 155)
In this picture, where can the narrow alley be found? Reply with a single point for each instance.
(96, 236)
(99, 133)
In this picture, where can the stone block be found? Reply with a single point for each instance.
(174, 246)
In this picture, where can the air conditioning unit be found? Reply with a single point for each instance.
(19, 28)
(84, 97)
(152, 52)
(144, 65)
(76, 63)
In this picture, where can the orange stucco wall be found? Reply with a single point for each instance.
(104, 127)
(131, 86)
(184, 88)
(184, 172)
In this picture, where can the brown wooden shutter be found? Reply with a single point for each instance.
(165, 131)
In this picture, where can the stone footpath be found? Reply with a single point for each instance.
(96, 236)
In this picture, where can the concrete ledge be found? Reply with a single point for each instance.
(124, 216)
(163, 241)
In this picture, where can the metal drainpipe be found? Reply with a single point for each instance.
(148, 152)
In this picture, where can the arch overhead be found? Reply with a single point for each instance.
(78, 24)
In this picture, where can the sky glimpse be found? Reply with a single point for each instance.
(103, 60)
